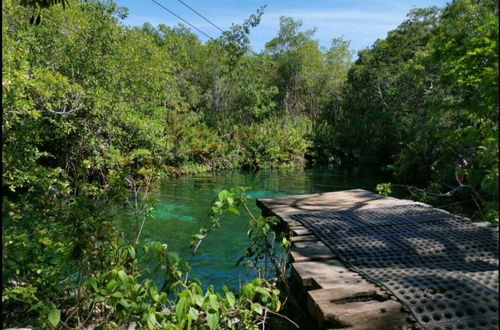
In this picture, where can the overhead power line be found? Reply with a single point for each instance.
(197, 13)
(182, 19)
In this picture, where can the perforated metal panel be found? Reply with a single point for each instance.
(443, 268)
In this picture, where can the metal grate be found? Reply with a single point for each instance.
(442, 267)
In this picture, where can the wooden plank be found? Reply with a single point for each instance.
(360, 307)
(303, 238)
(323, 275)
(300, 231)
(339, 200)
(310, 251)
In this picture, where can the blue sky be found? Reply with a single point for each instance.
(360, 21)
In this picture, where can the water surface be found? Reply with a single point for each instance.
(183, 202)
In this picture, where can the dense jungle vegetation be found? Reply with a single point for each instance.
(95, 112)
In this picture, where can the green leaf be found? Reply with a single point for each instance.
(124, 303)
(36, 306)
(198, 300)
(54, 316)
(213, 301)
(117, 294)
(151, 320)
(153, 294)
(234, 210)
(131, 252)
(93, 283)
(213, 320)
(199, 236)
(112, 285)
(263, 292)
(278, 306)
(230, 298)
(193, 313)
(123, 276)
(181, 309)
(257, 308)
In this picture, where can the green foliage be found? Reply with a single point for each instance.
(95, 112)
(117, 293)
(85, 129)
(274, 142)
(307, 76)
(125, 299)
(226, 201)
(384, 189)
(262, 251)
(43, 3)
(424, 100)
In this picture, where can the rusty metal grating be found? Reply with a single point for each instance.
(442, 267)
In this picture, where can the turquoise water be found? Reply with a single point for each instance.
(182, 205)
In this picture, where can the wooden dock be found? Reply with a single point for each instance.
(347, 250)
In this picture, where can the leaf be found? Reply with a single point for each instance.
(230, 298)
(123, 276)
(193, 313)
(263, 292)
(131, 252)
(151, 320)
(257, 308)
(153, 294)
(117, 294)
(112, 285)
(124, 303)
(212, 298)
(199, 236)
(198, 300)
(223, 194)
(46, 241)
(36, 306)
(234, 210)
(181, 309)
(54, 316)
(213, 320)
(278, 306)
(93, 283)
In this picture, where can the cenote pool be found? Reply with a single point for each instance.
(182, 205)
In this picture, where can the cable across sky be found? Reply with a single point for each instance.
(197, 13)
(182, 19)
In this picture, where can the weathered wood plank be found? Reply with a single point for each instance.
(323, 275)
(361, 307)
(300, 231)
(303, 238)
(310, 251)
(339, 200)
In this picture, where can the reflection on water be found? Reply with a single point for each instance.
(183, 202)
